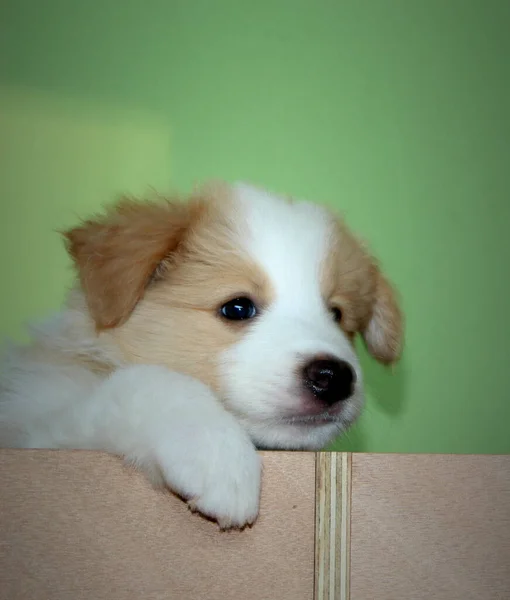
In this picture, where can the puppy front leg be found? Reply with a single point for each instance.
(172, 425)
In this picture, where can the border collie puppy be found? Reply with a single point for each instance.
(199, 331)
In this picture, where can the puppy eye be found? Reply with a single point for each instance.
(238, 309)
(337, 314)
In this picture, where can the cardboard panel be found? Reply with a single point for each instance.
(427, 527)
(78, 525)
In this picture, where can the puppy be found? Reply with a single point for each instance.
(199, 331)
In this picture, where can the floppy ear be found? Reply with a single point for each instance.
(118, 254)
(383, 333)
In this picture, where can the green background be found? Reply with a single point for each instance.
(395, 111)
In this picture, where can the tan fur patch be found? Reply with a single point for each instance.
(116, 254)
(348, 278)
(352, 282)
(385, 330)
(178, 323)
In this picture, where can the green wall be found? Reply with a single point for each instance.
(395, 111)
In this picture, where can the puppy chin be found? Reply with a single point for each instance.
(290, 436)
(303, 432)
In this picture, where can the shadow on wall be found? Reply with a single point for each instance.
(386, 386)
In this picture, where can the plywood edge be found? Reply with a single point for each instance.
(332, 525)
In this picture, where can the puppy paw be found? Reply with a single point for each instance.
(220, 479)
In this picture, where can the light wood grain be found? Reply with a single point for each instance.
(332, 526)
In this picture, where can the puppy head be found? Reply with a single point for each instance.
(257, 296)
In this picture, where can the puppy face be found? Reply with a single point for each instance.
(258, 296)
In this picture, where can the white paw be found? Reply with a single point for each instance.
(219, 475)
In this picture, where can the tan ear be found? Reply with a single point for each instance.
(117, 255)
(383, 334)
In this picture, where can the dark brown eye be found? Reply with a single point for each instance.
(238, 309)
(337, 314)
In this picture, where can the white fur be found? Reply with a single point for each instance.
(71, 388)
(290, 242)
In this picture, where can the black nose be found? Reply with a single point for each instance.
(329, 380)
